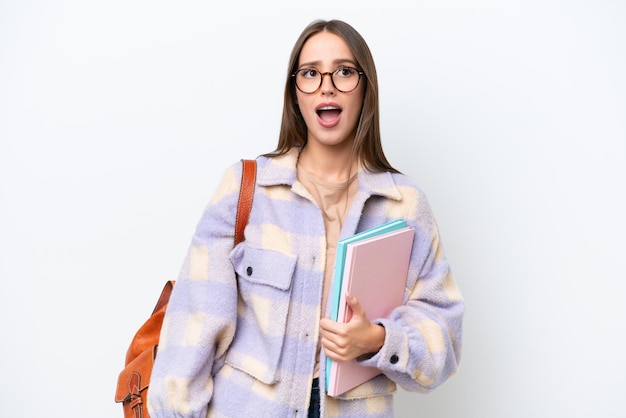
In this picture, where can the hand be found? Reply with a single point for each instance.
(357, 337)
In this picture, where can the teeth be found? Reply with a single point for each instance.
(328, 108)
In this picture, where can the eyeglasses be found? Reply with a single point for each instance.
(345, 79)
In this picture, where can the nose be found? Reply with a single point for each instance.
(328, 87)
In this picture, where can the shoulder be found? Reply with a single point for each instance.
(229, 183)
(413, 201)
(409, 189)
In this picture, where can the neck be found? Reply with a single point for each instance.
(334, 164)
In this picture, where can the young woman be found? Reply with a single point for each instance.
(246, 332)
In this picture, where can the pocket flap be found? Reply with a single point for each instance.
(263, 266)
(133, 381)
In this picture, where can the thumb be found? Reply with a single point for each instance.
(355, 306)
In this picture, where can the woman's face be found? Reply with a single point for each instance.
(330, 115)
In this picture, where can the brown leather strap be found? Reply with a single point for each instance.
(165, 296)
(246, 194)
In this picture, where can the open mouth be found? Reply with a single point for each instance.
(328, 113)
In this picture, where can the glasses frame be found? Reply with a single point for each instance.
(332, 80)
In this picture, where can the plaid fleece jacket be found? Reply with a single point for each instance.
(240, 333)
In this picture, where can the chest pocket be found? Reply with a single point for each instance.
(264, 279)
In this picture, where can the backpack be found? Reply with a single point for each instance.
(134, 379)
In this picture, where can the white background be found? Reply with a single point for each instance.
(117, 119)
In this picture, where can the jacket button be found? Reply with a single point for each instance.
(394, 359)
(249, 271)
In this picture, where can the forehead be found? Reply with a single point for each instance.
(325, 48)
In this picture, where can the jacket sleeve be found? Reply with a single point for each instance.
(422, 345)
(200, 319)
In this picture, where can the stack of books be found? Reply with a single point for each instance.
(371, 266)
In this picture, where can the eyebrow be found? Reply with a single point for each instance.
(335, 62)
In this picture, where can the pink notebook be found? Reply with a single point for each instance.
(375, 273)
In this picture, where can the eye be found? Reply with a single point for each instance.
(309, 73)
(345, 72)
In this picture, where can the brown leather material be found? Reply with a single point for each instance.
(148, 335)
(132, 384)
(246, 195)
(133, 381)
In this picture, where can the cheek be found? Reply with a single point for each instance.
(357, 108)
(300, 99)
(358, 100)
(302, 102)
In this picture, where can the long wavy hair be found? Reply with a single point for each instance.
(367, 143)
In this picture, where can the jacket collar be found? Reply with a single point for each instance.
(281, 170)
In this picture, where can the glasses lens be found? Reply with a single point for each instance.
(346, 79)
(308, 80)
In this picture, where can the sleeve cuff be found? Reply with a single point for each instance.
(394, 354)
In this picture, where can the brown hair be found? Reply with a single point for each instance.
(367, 143)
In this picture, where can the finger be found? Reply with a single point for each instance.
(328, 325)
(338, 339)
(329, 346)
(334, 351)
